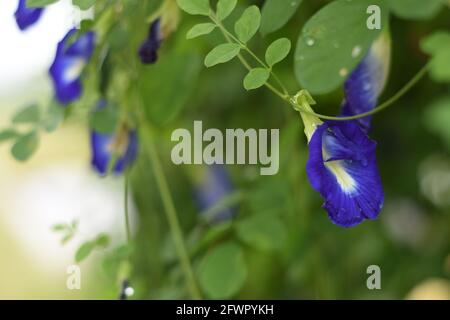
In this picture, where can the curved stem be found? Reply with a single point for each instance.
(126, 213)
(172, 217)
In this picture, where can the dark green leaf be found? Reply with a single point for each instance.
(8, 134)
(276, 13)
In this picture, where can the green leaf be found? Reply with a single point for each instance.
(277, 51)
(224, 8)
(53, 117)
(83, 4)
(39, 3)
(333, 42)
(200, 7)
(223, 271)
(222, 53)
(102, 240)
(276, 13)
(8, 134)
(248, 24)
(438, 46)
(59, 227)
(415, 9)
(264, 232)
(166, 86)
(200, 30)
(84, 251)
(30, 114)
(437, 118)
(256, 78)
(25, 146)
(105, 120)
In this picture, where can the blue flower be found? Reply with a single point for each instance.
(26, 17)
(69, 63)
(148, 52)
(342, 167)
(121, 147)
(365, 84)
(215, 185)
(342, 164)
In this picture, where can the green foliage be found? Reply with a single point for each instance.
(278, 51)
(39, 3)
(194, 7)
(276, 13)
(248, 24)
(83, 4)
(200, 30)
(325, 48)
(25, 145)
(262, 231)
(105, 120)
(415, 9)
(8, 134)
(256, 78)
(30, 114)
(222, 53)
(178, 70)
(67, 230)
(225, 8)
(437, 118)
(223, 271)
(100, 242)
(438, 46)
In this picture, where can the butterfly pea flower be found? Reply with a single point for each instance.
(365, 84)
(214, 185)
(26, 17)
(70, 61)
(164, 22)
(114, 152)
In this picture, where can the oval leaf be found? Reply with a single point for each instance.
(415, 9)
(222, 53)
(332, 43)
(200, 7)
(276, 13)
(248, 24)
(25, 146)
(277, 51)
(256, 78)
(223, 271)
(225, 7)
(200, 30)
(84, 251)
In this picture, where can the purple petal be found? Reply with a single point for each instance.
(26, 17)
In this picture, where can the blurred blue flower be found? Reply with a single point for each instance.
(148, 52)
(342, 164)
(26, 17)
(365, 84)
(69, 63)
(120, 147)
(213, 187)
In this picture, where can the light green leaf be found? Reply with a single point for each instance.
(30, 114)
(84, 251)
(438, 46)
(224, 8)
(102, 240)
(248, 24)
(200, 30)
(25, 146)
(415, 9)
(437, 118)
(221, 54)
(200, 7)
(277, 51)
(53, 117)
(435, 42)
(8, 134)
(83, 4)
(223, 271)
(256, 78)
(264, 232)
(276, 13)
(39, 3)
(105, 120)
(166, 86)
(333, 42)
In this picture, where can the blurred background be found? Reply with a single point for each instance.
(269, 238)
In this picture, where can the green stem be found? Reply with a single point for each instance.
(172, 217)
(126, 213)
